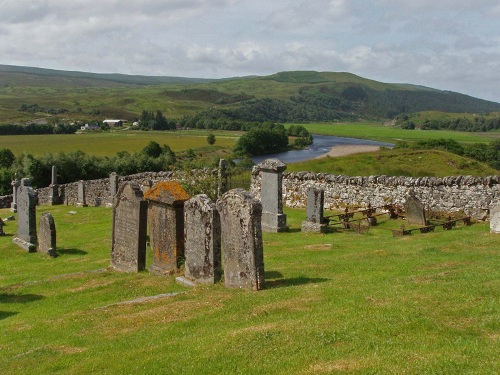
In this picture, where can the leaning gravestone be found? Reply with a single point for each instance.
(415, 211)
(314, 211)
(241, 231)
(47, 235)
(166, 225)
(495, 218)
(26, 217)
(128, 248)
(202, 247)
(271, 195)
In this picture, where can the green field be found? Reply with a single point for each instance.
(380, 132)
(333, 303)
(109, 143)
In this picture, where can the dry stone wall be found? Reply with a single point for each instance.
(472, 195)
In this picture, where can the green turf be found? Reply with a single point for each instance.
(334, 303)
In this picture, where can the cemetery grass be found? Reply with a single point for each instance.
(334, 302)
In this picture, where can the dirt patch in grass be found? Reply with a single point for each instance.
(319, 246)
(341, 365)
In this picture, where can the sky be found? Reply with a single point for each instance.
(444, 44)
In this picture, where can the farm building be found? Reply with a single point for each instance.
(113, 123)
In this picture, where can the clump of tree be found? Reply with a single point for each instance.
(465, 124)
(155, 121)
(302, 136)
(34, 108)
(263, 139)
(10, 129)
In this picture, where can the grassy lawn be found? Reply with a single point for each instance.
(379, 132)
(335, 302)
(108, 144)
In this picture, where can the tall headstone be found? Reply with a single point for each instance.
(415, 210)
(128, 244)
(271, 195)
(495, 218)
(26, 217)
(314, 211)
(54, 197)
(81, 201)
(202, 247)
(47, 235)
(222, 177)
(113, 188)
(166, 225)
(241, 232)
(15, 186)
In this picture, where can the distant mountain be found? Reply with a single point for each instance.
(286, 96)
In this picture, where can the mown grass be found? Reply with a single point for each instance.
(380, 132)
(335, 302)
(109, 143)
(397, 162)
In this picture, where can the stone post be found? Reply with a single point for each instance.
(81, 202)
(222, 178)
(54, 198)
(271, 195)
(241, 233)
(15, 186)
(113, 188)
(314, 211)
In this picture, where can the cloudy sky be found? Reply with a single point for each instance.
(445, 44)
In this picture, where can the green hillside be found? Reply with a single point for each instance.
(301, 96)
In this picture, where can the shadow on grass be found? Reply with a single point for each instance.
(71, 252)
(6, 314)
(283, 283)
(19, 298)
(272, 275)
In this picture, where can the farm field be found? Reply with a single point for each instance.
(334, 302)
(109, 143)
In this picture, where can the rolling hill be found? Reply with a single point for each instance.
(285, 96)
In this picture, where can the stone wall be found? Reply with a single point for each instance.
(472, 195)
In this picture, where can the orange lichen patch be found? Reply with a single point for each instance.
(167, 190)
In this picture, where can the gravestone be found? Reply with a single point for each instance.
(128, 246)
(81, 202)
(495, 218)
(241, 232)
(113, 188)
(1, 227)
(271, 195)
(26, 217)
(166, 225)
(314, 211)
(47, 235)
(15, 186)
(54, 198)
(222, 177)
(202, 247)
(415, 211)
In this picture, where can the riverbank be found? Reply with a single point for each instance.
(344, 150)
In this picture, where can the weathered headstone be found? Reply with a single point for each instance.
(128, 248)
(166, 225)
(15, 186)
(271, 195)
(241, 232)
(113, 188)
(26, 217)
(202, 247)
(314, 211)
(81, 202)
(222, 177)
(1, 227)
(47, 235)
(54, 198)
(495, 218)
(415, 210)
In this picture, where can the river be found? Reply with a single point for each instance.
(322, 144)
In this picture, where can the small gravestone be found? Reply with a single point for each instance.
(47, 235)
(15, 186)
(202, 247)
(54, 198)
(81, 202)
(495, 218)
(1, 227)
(166, 225)
(415, 211)
(113, 188)
(128, 248)
(271, 195)
(241, 232)
(26, 217)
(314, 211)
